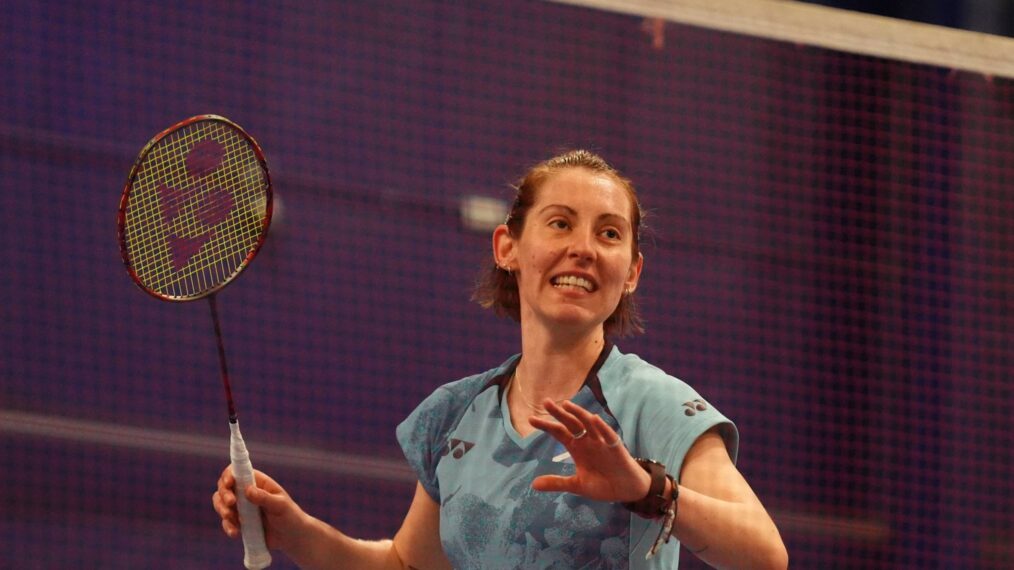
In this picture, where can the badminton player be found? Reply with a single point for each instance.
(570, 454)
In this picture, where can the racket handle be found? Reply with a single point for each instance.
(256, 551)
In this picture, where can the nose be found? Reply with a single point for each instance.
(582, 246)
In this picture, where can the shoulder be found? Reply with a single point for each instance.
(445, 405)
(628, 376)
(462, 391)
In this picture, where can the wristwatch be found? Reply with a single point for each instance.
(654, 504)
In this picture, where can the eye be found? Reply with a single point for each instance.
(612, 234)
(559, 224)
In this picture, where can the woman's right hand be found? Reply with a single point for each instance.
(281, 516)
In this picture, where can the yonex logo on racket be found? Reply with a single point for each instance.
(196, 208)
(212, 208)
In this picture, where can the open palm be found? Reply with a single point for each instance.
(605, 469)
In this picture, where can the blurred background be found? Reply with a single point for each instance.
(829, 261)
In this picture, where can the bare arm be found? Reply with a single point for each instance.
(314, 544)
(418, 539)
(719, 517)
(416, 546)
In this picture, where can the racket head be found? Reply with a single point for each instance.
(195, 209)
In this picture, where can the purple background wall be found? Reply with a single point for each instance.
(830, 263)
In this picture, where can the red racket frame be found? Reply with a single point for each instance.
(136, 170)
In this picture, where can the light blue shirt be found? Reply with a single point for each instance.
(475, 465)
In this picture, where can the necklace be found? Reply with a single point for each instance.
(539, 410)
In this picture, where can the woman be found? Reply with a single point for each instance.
(543, 461)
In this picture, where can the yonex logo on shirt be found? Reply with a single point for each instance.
(458, 448)
(694, 406)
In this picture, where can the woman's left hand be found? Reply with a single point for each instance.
(605, 469)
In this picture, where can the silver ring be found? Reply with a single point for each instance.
(579, 434)
(615, 443)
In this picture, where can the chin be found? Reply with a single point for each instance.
(575, 319)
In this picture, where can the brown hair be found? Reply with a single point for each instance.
(497, 289)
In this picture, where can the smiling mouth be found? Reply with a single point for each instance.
(573, 282)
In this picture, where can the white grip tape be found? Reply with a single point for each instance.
(256, 551)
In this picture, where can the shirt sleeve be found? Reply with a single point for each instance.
(675, 418)
(664, 416)
(423, 435)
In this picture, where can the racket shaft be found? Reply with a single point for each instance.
(256, 550)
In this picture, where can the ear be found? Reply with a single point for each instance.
(503, 247)
(634, 275)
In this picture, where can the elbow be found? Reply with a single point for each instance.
(771, 551)
(767, 554)
(759, 555)
(776, 557)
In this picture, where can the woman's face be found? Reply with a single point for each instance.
(574, 258)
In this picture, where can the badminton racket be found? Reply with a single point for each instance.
(194, 213)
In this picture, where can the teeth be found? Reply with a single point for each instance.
(572, 281)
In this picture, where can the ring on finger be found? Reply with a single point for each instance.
(579, 434)
(615, 443)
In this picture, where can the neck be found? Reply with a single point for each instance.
(555, 367)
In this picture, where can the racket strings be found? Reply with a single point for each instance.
(197, 210)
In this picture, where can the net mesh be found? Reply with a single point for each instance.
(829, 262)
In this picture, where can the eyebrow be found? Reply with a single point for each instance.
(573, 212)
